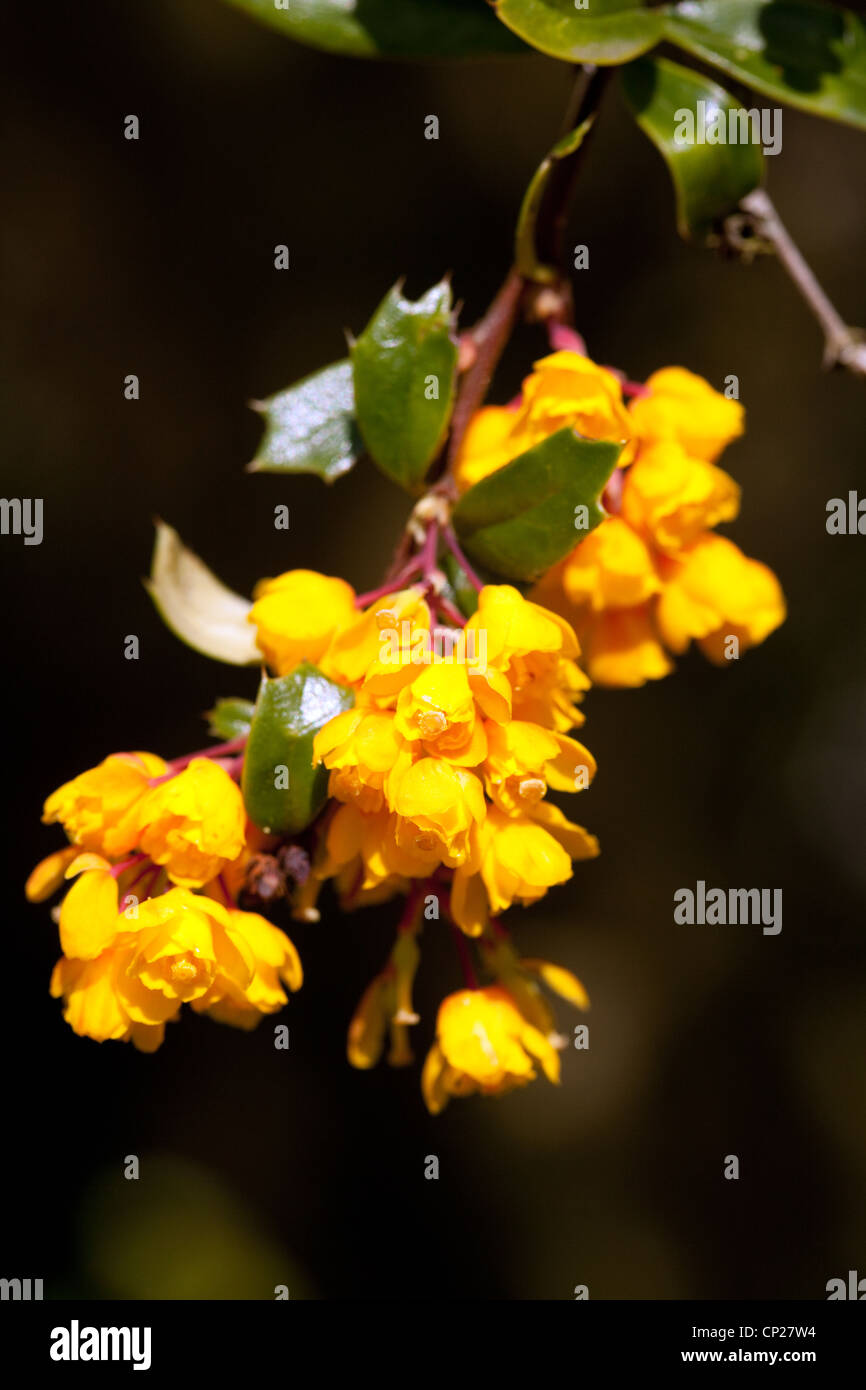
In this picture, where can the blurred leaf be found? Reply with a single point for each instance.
(525, 253)
(605, 32)
(709, 180)
(310, 427)
(288, 711)
(808, 55)
(219, 1246)
(522, 519)
(388, 28)
(230, 717)
(406, 352)
(199, 609)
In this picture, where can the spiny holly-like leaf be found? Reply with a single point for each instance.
(282, 790)
(524, 518)
(796, 51)
(230, 717)
(388, 28)
(676, 107)
(602, 31)
(404, 364)
(199, 609)
(310, 427)
(525, 253)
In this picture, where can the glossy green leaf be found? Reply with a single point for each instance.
(524, 518)
(404, 364)
(805, 54)
(230, 717)
(199, 609)
(680, 110)
(282, 790)
(388, 28)
(310, 427)
(604, 32)
(525, 253)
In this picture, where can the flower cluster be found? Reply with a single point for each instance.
(150, 922)
(438, 773)
(653, 576)
(454, 737)
(431, 782)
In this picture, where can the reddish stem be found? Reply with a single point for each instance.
(118, 869)
(469, 976)
(396, 582)
(562, 338)
(235, 745)
(453, 545)
(447, 609)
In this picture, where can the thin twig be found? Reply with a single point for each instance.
(489, 338)
(844, 346)
(556, 204)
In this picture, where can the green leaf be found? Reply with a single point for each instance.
(406, 353)
(709, 180)
(604, 32)
(809, 55)
(199, 609)
(525, 252)
(230, 717)
(522, 519)
(310, 427)
(388, 28)
(288, 711)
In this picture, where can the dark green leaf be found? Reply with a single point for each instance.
(525, 253)
(604, 32)
(806, 54)
(288, 711)
(709, 179)
(404, 364)
(388, 28)
(230, 717)
(310, 427)
(524, 518)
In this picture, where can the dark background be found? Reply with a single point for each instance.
(263, 1167)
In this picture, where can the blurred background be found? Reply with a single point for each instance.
(261, 1167)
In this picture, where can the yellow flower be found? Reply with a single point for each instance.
(565, 389)
(436, 805)
(515, 858)
(716, 593)
(483, 1043)
(383, 647)
(183, 944)
(95, 807)
(534, 648)
(673, 498)
(193, 824)
(276, 962)
(621, 647)
(524, 759)
(359, 747)
(297, 614)
(438, 711)
(612, 568)
(92, 1005)
(684, 408)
